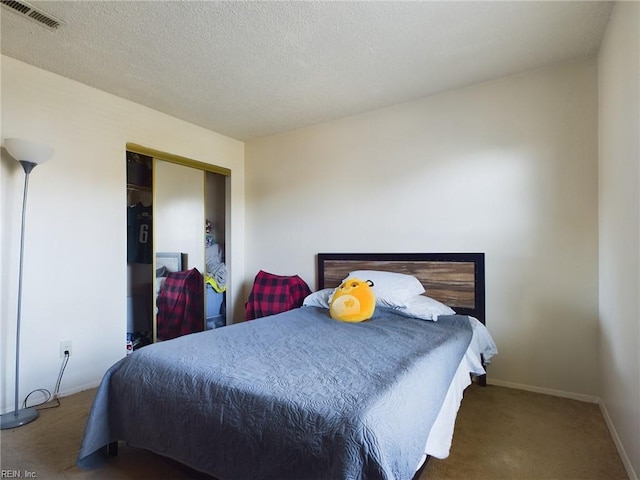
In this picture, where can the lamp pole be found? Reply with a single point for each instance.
(25, 415)
(29, 154)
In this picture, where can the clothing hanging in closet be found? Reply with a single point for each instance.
(181, 304)
(139, 245)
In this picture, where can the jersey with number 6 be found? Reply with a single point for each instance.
(139, 248)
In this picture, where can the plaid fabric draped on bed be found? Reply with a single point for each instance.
(273, 294)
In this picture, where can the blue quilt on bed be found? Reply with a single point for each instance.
(292, 396)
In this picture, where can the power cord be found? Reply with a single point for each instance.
(46, 392)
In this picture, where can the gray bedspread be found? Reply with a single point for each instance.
(293, 396)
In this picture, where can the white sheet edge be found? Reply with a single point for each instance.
(441, 434)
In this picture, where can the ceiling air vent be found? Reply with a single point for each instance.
(33, 13)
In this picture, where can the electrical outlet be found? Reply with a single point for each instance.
(65, 346)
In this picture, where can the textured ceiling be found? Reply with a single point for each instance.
(251, 69)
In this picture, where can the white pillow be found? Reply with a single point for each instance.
(425, 308)
(391, 289)
(318, 299)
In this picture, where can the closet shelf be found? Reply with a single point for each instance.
(138, 188)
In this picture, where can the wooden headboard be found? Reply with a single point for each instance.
(455, 279)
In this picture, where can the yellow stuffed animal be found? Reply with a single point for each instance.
(353, 301)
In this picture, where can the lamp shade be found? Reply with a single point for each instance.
(28, 151)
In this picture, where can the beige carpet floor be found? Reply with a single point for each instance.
(501, 433)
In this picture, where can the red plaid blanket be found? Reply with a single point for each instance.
(181, 304)
(273, 294)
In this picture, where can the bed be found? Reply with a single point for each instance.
(299, 395)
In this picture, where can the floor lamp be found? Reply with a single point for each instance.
(29, 154)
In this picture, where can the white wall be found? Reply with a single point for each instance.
(75, 264)
(508, 168)
(619, 114)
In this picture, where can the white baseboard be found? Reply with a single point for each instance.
(547, 391)
(618, 443)
(63, 393)
(82, 388)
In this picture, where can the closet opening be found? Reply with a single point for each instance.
(184, 231)
(139, 250)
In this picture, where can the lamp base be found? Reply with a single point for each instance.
(18, 418)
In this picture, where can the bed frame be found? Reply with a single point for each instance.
(455, 279)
